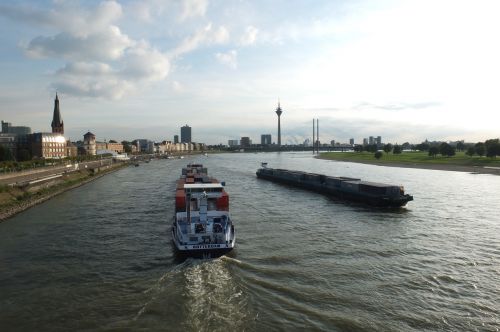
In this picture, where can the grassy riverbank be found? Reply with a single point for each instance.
(15, 199)
(417, 159)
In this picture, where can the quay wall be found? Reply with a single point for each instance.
(7, 212)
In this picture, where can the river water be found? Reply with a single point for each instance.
(100, 257)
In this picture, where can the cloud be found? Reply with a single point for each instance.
(108, 44)
(69, 18)
(205, 36)
(193, 8)
(229, 58)
(177, 87)
(250, 36)
(139, 65)
(397, 106)
(101, 60)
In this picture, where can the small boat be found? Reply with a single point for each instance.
(202, 225)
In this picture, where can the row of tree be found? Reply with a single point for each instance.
(490, 148)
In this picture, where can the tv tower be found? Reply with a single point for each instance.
(278, 112)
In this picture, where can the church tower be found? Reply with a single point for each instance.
(57, 123)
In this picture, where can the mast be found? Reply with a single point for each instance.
(314, 137)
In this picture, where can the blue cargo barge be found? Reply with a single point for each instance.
(352, 189)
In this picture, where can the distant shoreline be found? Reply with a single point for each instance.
(437, 167)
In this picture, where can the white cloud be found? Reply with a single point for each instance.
(229, 58)
(101, 60)
(193, 8)
(67, 17)
(250, 36)
(144, 63)
(205, 36)
(139, 65)
(178, 87)
(108, 44)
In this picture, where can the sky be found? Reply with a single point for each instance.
(404, 70)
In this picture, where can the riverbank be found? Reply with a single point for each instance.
(458, 163)
(14, 200)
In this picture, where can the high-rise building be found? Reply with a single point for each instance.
(57, 122)
(8, 128)
(265, 139)
(176, 139)
(186, 134)
(351, 141)
(233, 142)
(332, 142)
(379, 140)
(365, 141)
(371, 139)
(245, 142)
(278, 112)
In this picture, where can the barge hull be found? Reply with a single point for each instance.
(378, 201)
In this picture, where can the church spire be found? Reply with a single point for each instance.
(57, 123)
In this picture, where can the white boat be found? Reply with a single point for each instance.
(203, 226)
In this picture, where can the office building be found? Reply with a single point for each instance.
(245, 142)
(233, 142)
(8, 128)
(186, 134)
(265, 139)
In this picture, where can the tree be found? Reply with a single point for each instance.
(397, 149)
(446, 149)
(492, 147)
(493, 150)
(460, 146)
(388, 148)
(358, 148)
(470, 151)
(112, 141)
(407, 146)
(433, 151)
(480, 149)
(23, 155)
(126, 146)
(423, 147)
(378, 155)
(5, 154)
(371, 148)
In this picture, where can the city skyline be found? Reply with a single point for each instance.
(407, 70)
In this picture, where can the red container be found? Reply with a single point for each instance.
(223, 202)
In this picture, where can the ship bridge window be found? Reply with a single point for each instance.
(199, 228)
(217, 228)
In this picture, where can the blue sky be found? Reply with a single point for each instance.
(405, 70)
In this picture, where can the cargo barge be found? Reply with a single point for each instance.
(202, 225)
(352, 189)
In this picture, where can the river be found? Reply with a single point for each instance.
(100, 257)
